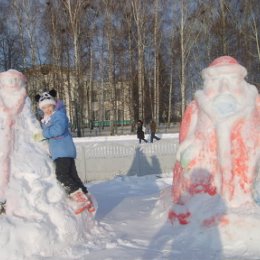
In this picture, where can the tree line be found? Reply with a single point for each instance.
(158, 47)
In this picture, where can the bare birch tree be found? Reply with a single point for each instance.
(156, 89)
(129, 61)
(139, 13)
(74, 9)
(27, 13)
(254, 30)
(19, 16)
(189, 32)
(223, 26)
(183, 86)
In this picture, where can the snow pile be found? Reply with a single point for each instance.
(39, 221)
(135, 209)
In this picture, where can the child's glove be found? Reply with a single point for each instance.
(46, 119)
(37, 137)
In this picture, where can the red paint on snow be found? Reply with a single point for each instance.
(181, 217)
(215, 220)
(202, 188)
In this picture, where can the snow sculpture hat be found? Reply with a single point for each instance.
(13, 74)
(223, 65)
(46, 98)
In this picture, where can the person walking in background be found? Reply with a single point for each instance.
(140, 132)
(153, 131)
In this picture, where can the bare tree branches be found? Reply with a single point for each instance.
(157, 48)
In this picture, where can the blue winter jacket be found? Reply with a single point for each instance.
(58, 135)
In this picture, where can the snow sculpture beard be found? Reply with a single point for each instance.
(224, 109)
(221, 104)
(225, 105)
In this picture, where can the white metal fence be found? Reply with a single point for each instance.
(106, 157)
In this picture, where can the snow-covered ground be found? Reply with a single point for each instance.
(130, 223)
(129, 208)
(132, 212)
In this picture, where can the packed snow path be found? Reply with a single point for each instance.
(126, 205)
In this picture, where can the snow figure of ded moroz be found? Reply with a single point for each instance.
(219, 139)
(12, 98)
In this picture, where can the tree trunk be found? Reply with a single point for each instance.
(183, 89)
(131, 80)
(137, 7)
(111, 84)
(21, 30)
(156, 91)
(223, 27)
(256, 37)
(170, 99)
(90, 88)
(74, 9)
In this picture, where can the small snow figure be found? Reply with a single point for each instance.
(12, 98)
(63, 152)
(219, 137)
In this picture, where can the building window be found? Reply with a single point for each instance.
(120, 115)
(107, 115)
(94, 115)
(94, 96)
(106, 95)
(119, 94)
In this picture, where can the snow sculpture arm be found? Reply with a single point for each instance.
(2, 107)
(185, 151)
(17, 108)
(37, 137)
(187, 147)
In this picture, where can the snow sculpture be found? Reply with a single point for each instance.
(12, 98)
(39, 221)
(219, 140)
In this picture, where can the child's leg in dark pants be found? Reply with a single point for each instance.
(66, 174)
(76, 178)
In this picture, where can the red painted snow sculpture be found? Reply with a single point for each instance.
(12, 98)
(219, 140)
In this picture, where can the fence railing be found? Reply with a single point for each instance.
(108, 123)
(122, 129)
(103, 158)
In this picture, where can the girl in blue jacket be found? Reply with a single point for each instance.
(55, 125)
